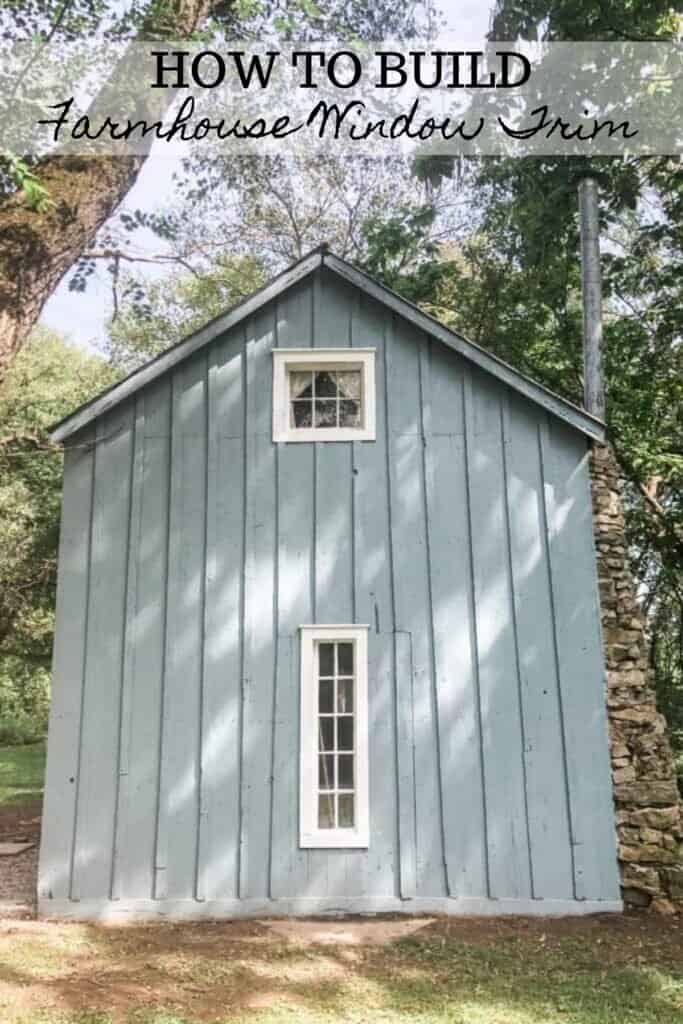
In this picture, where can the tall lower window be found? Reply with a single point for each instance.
(334, 736)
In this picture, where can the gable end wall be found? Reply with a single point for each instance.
(192, 550)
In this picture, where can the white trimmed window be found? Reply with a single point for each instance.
(334, 737)
(324, 394)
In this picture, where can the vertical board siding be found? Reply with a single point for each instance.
(405, 766)
(98, 763)
(145, 610)
(334, 871)
(59, 801)
(504, 781)
(549, 835)
(295, 602)
(259, 610)
(217, 868)
(436, 724)
(582, 685)
(457, 688)
(122, 837)
(411, 593)
(193, 549)
(178, 798)
(372, 603)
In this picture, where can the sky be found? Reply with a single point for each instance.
(82, 316)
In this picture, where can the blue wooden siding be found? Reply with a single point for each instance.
(192, 548)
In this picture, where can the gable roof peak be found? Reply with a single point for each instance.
(319, 257)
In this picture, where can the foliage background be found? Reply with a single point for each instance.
(48, 378)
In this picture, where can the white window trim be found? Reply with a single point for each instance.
(310, 836)
(287, 359)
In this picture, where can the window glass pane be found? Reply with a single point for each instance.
(300, 384)
(345, 771)
(326, 660)
(326, 811)
(349, 414)
(349, 383)
(345, 659)
(325, 384)
(325, 413)
(326, 771)
(345, 696)
(326, 696)
(326, 733)
(344, 734)
(335, 709)
(345, 810)
(302, 414)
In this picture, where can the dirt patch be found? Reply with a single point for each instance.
(348, 932)
(206, 971)
(18, 874)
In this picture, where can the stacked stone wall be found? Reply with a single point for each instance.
(649, 815)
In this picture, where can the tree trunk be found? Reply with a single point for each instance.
(37, 249)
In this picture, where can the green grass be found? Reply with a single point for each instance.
(609, 970)
(22, 770)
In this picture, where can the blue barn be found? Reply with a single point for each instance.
(328, 634)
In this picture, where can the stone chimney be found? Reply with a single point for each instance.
(648, 810)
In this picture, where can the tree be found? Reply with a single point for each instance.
(242, 221)
(154, 316)
(38, 245)
(47, 380)
(560, 20)
(279, 208)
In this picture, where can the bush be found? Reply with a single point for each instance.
(17, 728)
(24, 701)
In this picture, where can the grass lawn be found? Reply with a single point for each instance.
(21, 773)
(598, 970)
(593, 971)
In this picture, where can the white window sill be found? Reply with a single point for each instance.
(334, 839)
(294, 435)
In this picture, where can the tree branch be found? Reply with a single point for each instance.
(38, 248)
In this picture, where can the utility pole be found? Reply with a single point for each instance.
(591, 287)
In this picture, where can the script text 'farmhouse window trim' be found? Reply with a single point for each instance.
(324, 394)
(334, 737)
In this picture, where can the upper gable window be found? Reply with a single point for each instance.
(324, 394)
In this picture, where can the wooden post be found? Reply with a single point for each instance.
(591, 285)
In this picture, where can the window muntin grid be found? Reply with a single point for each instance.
(335, 674)
(323, 394)
(325, 399)
(333, 781)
